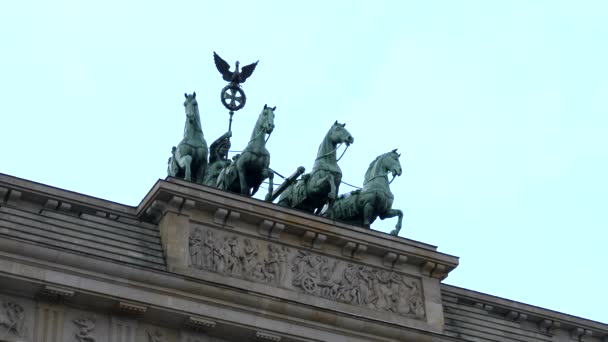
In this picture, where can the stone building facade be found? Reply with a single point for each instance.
(194, 264)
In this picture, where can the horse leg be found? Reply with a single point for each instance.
(333, 190)
(270, 185)
(393, 213)
(254, 189)
(368, 214)
(187, 161)
(240, 170)
(200, 173)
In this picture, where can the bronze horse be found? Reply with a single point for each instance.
(320, 187)
(363, 206)
(252, 166)
(189, 158)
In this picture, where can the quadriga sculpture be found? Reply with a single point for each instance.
(247, 172)
(189, 158)
(320, 187)
(363, 206)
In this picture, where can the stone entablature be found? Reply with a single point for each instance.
(347, 269)
(229, 211)
(173, 209)
(25, 320)
(473, 315)
(234, 268)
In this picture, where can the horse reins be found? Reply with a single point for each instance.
(369, 180)
(337, 147)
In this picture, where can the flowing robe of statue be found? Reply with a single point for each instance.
(218, 159)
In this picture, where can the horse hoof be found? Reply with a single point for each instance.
(395, 232)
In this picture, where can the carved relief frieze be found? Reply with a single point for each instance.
(306, 272)
(12, 320)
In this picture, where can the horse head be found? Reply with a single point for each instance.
(338, 134)
(266, 120)
(390, 162)
(191, 107)
(383, 164)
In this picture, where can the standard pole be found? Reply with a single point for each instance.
(230, 122)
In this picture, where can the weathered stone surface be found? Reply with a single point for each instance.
(307, 272)
(14, 320)
(197, 264)
(476, 316)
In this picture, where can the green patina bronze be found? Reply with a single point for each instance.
(189, 158)
(218, 158)
(316, 192)
(247, 172)
(363, 206)
(320, 187)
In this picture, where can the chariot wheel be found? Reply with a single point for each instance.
(309, 285)
(233, 97)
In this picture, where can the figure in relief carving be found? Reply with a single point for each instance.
(12, 318)
(356, 285)
(348, 286)
(85, 327)
(311, 271)
(219, 251)
(275, 266)
(308, 272)
(208, 250)
(414, 300)
(195, 244)
(259, 272)
(272, 265)
(232, 255)
(283, 264)
(251, 256)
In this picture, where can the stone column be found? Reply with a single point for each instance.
(122, 330)
(49, 323)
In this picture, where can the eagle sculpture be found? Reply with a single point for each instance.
(237, 76)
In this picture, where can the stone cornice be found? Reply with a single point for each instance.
(547, 321)
(269, 219)
(178, 195)
(44, 195)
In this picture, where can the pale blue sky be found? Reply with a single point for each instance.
(500, 109)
